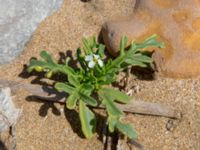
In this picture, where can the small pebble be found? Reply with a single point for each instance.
(170, 125)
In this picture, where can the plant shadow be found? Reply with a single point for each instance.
(85, 1)
(72, 117)
(48, 93)
(147, 74)
(63, 56)
(45, 107)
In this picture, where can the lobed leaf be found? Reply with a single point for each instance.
(117, 95)
(72, 100)
(73, 80)
(123, 43)
(88, 120)
(110, 105)
(142, 58)
(117, 62)
(49, 65)
(86, 89)
(35, 64)
(151, 41)
(111, 123)
(64, 87)
(89, 44)
(46, 56)
(133, 48)
(101, 49)
(86, 47)
(88, 99)
(135, 63)
(126, 129)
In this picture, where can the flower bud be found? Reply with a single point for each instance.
(49, 74)
(38, 69)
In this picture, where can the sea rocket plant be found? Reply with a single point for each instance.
(87, 85)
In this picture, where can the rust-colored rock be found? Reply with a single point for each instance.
(178, 25)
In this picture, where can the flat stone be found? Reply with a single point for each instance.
(178, 25)
(18, 20)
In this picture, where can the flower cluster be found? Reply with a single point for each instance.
(93, 59)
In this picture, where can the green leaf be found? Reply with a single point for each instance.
(88, 120)
(117, 95)
(81, 59)
(64, 87)
(138, 59)
(135, 63)
(151, 42)
(50, 65)
(101, 50)
(34, 64)
(117, 62)
(123, 43)
(88, 45)
(133, 48)
(73, 80)
(111, 123)
(49, 74)
(46, 56)
(110, 105)
(88, 99)
(126, 129)
(142, 58)
(107, 79)
(86, 89)
(38, 69)
(72, 100)
(92, 42)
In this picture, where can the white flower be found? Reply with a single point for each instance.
(93, 59)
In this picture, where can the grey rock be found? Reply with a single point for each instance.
(8, 113)
(18, 20)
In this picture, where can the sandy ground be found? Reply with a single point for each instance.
(50, 126)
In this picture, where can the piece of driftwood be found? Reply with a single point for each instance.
(135, 106)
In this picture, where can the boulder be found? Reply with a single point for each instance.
(18, 20)
(178, 25)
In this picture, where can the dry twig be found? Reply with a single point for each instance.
(135, 106)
